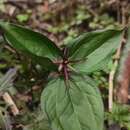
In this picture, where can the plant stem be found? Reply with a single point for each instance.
(66, 73)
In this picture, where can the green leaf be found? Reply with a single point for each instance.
(73, 105)
(5, 122)
(94, 50)
(45, 63)
(88, 42)
(120, 114)
(29, 41)
(6, 80)
(22, 17)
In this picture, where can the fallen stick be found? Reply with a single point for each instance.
(9, 101)
(112, 74)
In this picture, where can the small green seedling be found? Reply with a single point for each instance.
(71, 99)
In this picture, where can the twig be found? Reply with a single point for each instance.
(7, 98)
(10, 49)
(111, 77)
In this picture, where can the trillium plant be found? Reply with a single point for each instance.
(71, 99)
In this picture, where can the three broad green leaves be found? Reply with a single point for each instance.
(75, 103)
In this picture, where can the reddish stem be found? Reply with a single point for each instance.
(63, 63)
(66, 72)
